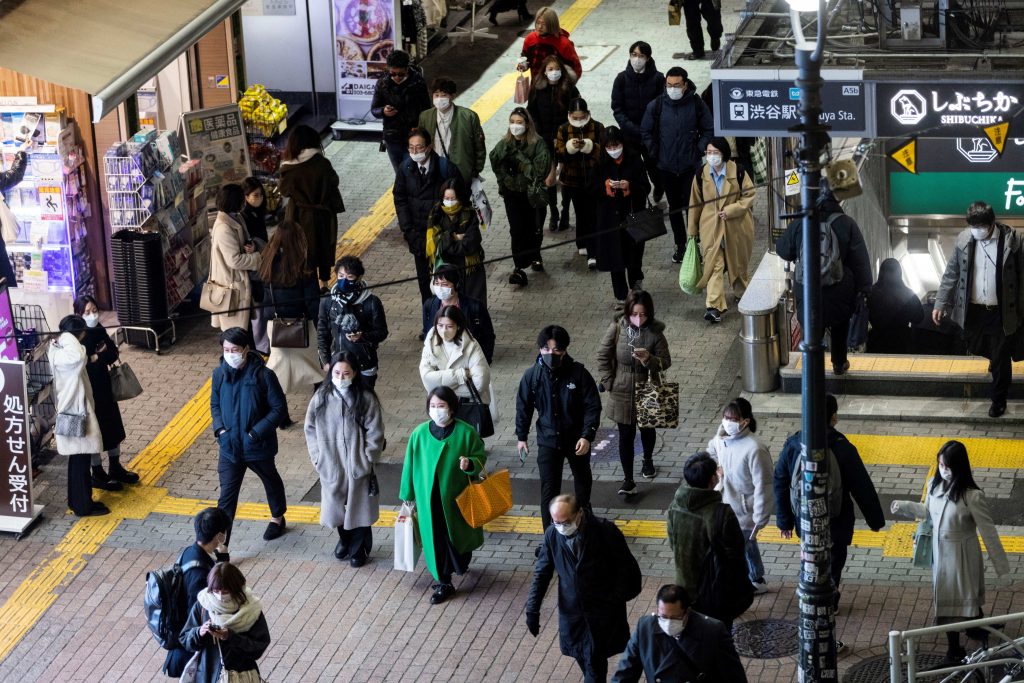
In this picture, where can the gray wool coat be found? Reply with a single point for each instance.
(343, 447)
(618, 371)
(958, 570)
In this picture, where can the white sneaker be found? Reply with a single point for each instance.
(582, 252)
(591, 263)
(760, 587)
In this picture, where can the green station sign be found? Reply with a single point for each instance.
(951, 193)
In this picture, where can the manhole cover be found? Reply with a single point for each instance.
(876, 669)
(766, 638)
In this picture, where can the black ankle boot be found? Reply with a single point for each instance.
(102, 481)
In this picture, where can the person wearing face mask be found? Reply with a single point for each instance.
(453, 358)
(597, 576)
(255, 212)
(856, 487)
(247, 406)
(521, 162)
(196, 561)
(416, 190)
(443, 454)
(226, 628)
(958, 512)
(633, 348)
(457, 133)
(351, 320)
(636, 86)
(676, 129)
(578, 152)
(620, 188)
(233, 258)
(564, 395)
(101, 352)
(447, 285)
(982, 292)
(73, 397)
(552, 92)
(453, 238)
(703, 649)
(722, 220)
(344, 430)
(746, 479)
(399, 98)
(546, 39)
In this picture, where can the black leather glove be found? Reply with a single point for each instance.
(533, 623)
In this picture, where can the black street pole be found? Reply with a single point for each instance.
(817, 661)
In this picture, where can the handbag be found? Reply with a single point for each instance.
(190, 674)
(485, 500)
(923, 544)
(407, 545)
(217, 298)
(70, 424)
(288, 333)
(227, 676)
(8, 221)
(858, 335)
(475, 412)
(522, 93)
(692, 270)
(656, 403)
(123, 382)
(646, 225)
(674, 14)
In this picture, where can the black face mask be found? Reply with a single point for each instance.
(552, 360)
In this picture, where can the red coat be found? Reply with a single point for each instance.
(537, 48)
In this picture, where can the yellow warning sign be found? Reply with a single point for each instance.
(792, 186)
(997, 135)
(906, 156)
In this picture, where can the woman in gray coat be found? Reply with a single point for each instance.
(345, 436)
(958, 511)
(632, 348)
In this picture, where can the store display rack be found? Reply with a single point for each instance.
(33, 338)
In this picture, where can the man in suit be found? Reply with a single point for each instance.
(677, 644)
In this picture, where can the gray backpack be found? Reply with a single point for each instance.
(834, 493)
(831, 259)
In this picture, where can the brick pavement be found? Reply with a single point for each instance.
(330, 622)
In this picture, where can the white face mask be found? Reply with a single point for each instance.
(341, 384)
(221, 597)
(579, 123)
(638, 63)
(516, 129)
(980, 233)
(440, 416)
(442, 103)
(418, 157)
(91, 319)
(714, 160)
(614, 152)
(449, 202)
(567, 529)
(946, 474)
(444, 293)
(235, 360)
(671, 627)
(730, 427)
(446, 334)
(554, 76)
(674, 93)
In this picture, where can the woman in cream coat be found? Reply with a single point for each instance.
(959, 512)
(232, 256)
(452, 357)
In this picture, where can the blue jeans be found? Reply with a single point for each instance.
(397, 152)
(755, 568)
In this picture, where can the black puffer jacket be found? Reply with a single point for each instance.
(566, 400)
(631, 93)
(410, 98)
(368, 311)
(547, 109)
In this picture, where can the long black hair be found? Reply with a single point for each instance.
(954, 454)
(742, 407)
(456, 316)
(363, 392)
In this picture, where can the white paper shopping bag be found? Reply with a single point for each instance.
(407, 545)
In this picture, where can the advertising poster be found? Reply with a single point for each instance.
(15, 451)
(217, 136)
(8, 342)
(365, 33)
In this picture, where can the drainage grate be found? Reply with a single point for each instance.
(876, 669)
(766, 638)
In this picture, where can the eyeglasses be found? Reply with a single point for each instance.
(417, 148)
(637, 54)
(398, 74)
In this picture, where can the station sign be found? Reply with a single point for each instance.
(947, 110)
(770, 108)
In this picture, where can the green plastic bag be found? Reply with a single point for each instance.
(692, 270)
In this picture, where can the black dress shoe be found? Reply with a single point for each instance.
(359, 558)
(518, 277)
(274, 530)
(106, 484)
(492, 17)
(341, 551)
(97, 509)
(996, 409)
(442, 592)
(118, 473)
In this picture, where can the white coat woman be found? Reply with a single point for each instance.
(746, 474)
(453, 358)
(233, 256)
(958, 512)
(73, 395)
(345, 436)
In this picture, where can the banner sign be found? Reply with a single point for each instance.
(770, 108)
(217, 136)
(947, 110)
(365, 32)
(16, 497)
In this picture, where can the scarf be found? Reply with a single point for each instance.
(304, 155)
(230, 615)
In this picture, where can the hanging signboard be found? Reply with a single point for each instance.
(947, 110)
(365, 33)
(217, 136)
(766, 108)
(17, 510)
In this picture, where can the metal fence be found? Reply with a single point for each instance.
(1001, 662)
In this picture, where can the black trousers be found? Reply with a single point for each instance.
(553, 201)
(839, 553)
(677, 192)
(550, 463)
(651, 164)
(595, 669)
(423, 276)
(693, 10)
(838, 333)
(231, 474)
(582, 200)
(627, 434)
(526, 228)
(987, 337)
(353, 540)
(80, 484)
(623, 280)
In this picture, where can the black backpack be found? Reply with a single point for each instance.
(166, 603)
(725, 590)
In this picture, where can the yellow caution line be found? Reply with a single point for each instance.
(911, 365)
(174, 439)
(920, 451)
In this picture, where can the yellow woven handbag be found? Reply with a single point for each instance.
(487, 499)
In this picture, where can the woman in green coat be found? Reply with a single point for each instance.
(442, 455)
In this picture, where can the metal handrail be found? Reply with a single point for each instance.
(898, 658)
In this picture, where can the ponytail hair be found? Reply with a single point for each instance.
(746, 412)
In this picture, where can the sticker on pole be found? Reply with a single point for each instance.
(792, 182)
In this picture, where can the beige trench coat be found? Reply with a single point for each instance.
(230, 266)
(736, 231)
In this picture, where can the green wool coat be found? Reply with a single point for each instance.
(428, 460)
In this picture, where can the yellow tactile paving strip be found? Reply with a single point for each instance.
(920, 365)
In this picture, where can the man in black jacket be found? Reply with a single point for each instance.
(196, 561)
(351, 319)
(417, 189)
(446, 293)
(399, 98)
(678, 644)
(597, 576)
(568, 413)
(839, 299)
(634, 88)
